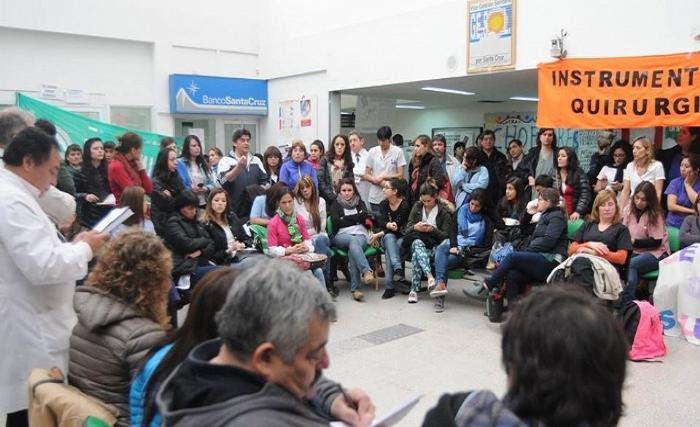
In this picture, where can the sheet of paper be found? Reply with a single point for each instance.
(393, 417)
(108, 201)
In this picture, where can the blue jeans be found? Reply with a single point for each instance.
(445, 261)
(322, 245)
(391, 245)
(355, 244)
(518, 269)
(247, 262)
(318, 274)
(374, 208)
(639, 264)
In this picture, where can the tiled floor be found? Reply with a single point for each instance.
(395, 350)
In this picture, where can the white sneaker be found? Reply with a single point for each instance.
(412, 297)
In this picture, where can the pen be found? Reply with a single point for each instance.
(349, 401)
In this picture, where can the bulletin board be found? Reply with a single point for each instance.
(297, 119)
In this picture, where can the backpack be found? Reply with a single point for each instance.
(643, 329)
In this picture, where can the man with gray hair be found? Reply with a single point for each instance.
(266, 367)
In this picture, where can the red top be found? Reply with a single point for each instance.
(119, 178)
(568, 193)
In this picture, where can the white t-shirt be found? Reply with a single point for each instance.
(654, 172)
(382, 163)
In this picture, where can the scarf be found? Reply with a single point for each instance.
(292, 227)
(619, 173)
(350, 204)
(130, 169)
(473, 217)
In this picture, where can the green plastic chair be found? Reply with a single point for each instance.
(95, 422)
(370, 251)
(572, 227)
(674, 243)
(260, 237)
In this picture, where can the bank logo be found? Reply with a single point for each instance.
(193, 88)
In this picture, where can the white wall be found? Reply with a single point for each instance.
(370, 43)
(311, 85)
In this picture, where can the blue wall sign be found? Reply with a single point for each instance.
(217, 95)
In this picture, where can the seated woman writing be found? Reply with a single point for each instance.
(546, 249)
(604, 235)
(645, 221)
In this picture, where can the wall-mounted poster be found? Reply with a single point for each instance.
(296, 118)
(491, 35)
(455, 134)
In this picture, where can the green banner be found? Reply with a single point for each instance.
(73, 128)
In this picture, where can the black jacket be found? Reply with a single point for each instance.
(497, 165)
(597, 162)
(430, 167)
(340, 220)
(162, 205)
(446, 228)
(400, 216)
(184, 236)
(533, 158)
(521, 171)
(477, 408)
(325, 180)
(91, 180)
(218, 237)
(582, 191)
(550, 235)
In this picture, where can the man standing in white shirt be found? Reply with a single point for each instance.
(359, 160)
(384, 162)
(37, 270)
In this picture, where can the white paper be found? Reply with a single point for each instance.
(113, 219)
(110, 200)
(393, 417)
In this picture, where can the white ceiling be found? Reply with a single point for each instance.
(487, 87)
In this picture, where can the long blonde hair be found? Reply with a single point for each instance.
(135, 267)
(304, 182)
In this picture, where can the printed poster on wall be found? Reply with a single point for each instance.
(491, 35)
(523, 126)
(296, 119)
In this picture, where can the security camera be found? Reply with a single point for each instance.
(555, 49)
(557, 46)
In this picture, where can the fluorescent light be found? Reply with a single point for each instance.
(410, 107)
(443, 90)
(524, 98)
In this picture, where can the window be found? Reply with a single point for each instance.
(137, 118)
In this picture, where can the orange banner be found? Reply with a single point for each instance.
(631, 92)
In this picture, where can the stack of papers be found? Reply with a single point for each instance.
(113, 219)
(393, 417)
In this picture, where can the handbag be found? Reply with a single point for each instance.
(307, 261)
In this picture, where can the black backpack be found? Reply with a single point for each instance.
(630, 315)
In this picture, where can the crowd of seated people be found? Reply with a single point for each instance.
(190, 235)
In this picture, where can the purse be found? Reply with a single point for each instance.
(307, 261)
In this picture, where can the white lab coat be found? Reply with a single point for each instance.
(37, 281)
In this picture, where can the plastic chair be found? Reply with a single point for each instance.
(674, 243)
(370, 251)
(95, 422)
(572, 227)
(259, 236)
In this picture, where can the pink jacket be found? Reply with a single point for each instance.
(278, 235)
(643, 230)
(649, 338)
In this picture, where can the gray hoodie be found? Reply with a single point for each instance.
(199, 393)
